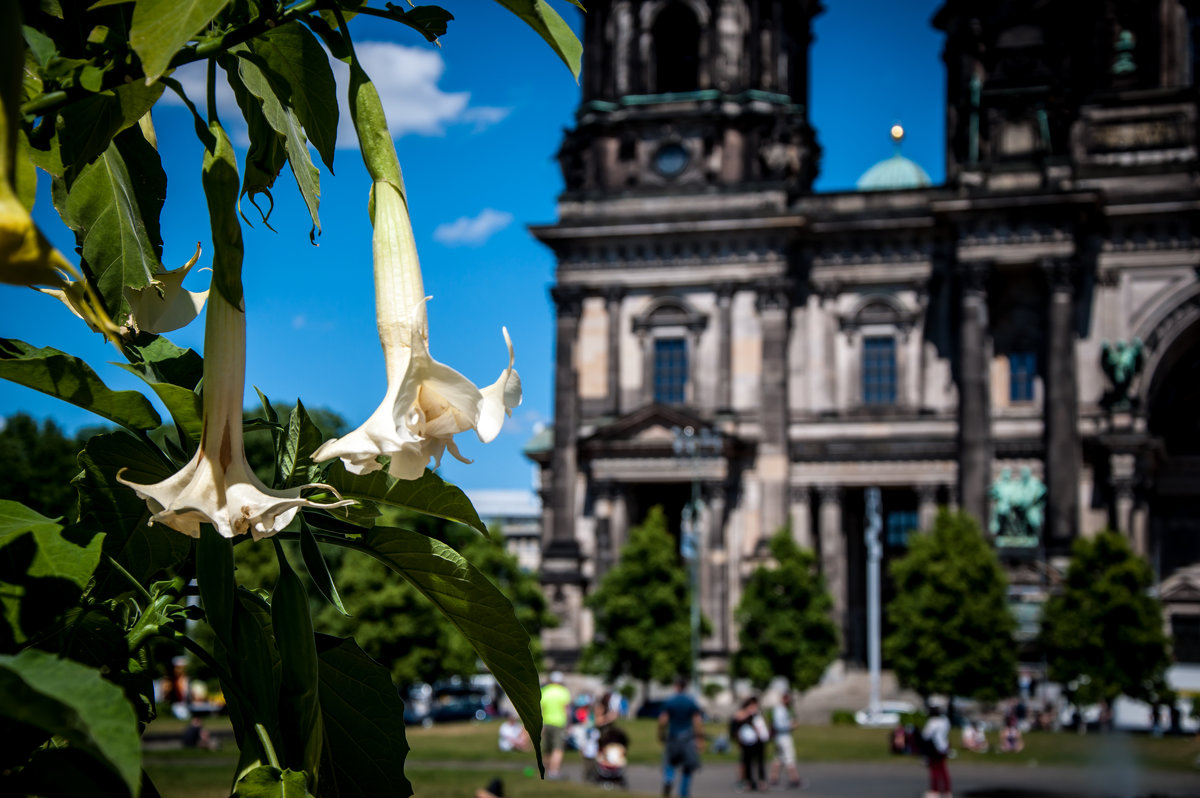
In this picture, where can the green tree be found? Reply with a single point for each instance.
(643, 626)
(522, 588)
(398, 627)
(953, 630)
(1105, 625)
(785, 625)
(395, 625)
(37, 464)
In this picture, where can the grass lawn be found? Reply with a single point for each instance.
(477, 742)
(201, 774)
(190, 774)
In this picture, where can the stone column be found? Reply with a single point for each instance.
(926, 506)
(560, 513)
(802, 531)
(974, 411)
(833, 549)
(613, 298)
(773, 451)
(725, 351)
(1062, 404)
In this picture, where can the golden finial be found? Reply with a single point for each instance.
(897, 133)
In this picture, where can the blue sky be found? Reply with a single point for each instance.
(477, 124)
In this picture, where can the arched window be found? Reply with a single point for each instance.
(669, 330)
(676, 50)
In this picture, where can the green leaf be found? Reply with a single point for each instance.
(86, 127)
(268, 782)
(318, 569)
(299, 703)
(107, 209)
(285, 122)
(72, 380)
(364, 723)
(57, 557)
(298, 69)
(143, 550)
(430, 494)
(74, 702)
(43, 568)
(214, 575)
(429, 21)
(267, 153)
(162, 27)
(173, 373)
(476, 608)
(301, 439)
(538, 15)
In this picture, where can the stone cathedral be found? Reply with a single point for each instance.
(1036, 315)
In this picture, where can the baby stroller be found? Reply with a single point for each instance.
(611, 747)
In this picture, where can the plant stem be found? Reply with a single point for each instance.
(138, 586)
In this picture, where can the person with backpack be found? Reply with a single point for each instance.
(935, 745)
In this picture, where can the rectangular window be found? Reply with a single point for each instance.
(670, 370)
(879, 371)
(900, 525)
(1022, 370)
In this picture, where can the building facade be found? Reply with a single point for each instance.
(1038, 314)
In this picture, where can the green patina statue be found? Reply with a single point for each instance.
(1121, 362)
(1018, 509)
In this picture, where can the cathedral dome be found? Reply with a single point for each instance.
(894, 173)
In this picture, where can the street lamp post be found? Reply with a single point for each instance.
(689, 443)
(874, 555)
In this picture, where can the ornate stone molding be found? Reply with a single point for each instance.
(974, 275)
(1062, 273)
(772, 295)
(568, 300)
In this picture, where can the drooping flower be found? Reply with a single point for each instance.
(160, 307)
(218, 486)
(427, 403)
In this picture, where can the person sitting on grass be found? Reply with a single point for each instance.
(512, 736)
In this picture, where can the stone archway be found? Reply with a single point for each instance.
(1171, 396)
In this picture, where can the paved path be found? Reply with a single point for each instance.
(906, 778)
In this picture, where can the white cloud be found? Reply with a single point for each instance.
(470, 231)
(299, 321)
(405, 77)
(485, 116)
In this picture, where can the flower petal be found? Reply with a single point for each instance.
(499, 398)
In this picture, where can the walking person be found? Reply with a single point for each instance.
(752, 736)
(556, 700)
(681, 730)
(935, 738)
(782, 724)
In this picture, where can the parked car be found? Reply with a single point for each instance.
(455, 702)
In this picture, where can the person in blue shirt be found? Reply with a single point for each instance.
(681, 730)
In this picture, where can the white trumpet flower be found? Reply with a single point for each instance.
(218, 486)
(427, 403)
(160, 307)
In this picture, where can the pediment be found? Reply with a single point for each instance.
(650, 425)
(1181, 586)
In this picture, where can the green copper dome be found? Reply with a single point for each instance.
(894, 173)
